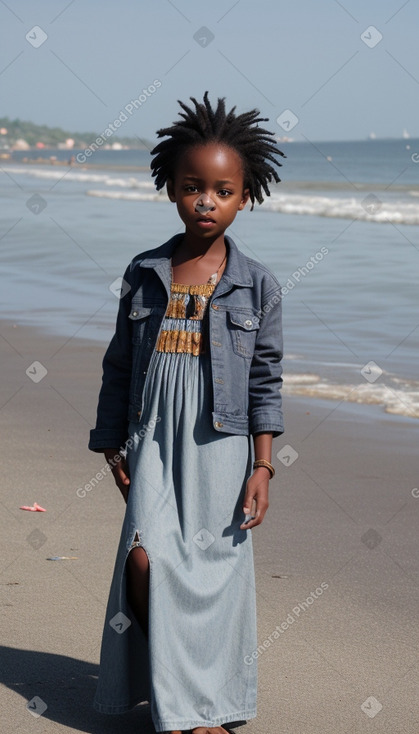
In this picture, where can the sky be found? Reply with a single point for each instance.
(318, 69)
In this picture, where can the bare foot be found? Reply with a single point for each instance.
(206, 730)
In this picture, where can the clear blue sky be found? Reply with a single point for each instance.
(306, 56)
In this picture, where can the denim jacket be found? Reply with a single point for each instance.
(245, 340)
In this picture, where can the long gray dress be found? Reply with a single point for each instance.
(185, 510)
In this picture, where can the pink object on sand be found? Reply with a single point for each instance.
(35, 508)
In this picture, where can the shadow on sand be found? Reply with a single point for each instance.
(67, 687)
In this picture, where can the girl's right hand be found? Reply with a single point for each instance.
(119, 466)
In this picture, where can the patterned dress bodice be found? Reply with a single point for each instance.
(184, 326)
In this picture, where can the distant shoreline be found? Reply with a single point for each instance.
(70, 160)
(75, 164)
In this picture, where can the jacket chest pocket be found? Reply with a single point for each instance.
(143, 318)
(243, 327)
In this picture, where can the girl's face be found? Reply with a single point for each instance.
(208, 189)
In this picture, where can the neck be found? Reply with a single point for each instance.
(190, 248)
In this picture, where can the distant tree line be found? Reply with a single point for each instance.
(51, 136)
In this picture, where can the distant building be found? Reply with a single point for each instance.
(21, 145)
(68, 145)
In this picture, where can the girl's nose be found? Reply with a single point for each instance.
(203, 204)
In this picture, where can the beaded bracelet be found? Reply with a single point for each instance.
(267, 464)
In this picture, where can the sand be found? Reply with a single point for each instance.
(336, 558)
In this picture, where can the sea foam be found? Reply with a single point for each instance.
(404, 402)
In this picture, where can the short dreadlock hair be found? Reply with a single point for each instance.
(255, 145)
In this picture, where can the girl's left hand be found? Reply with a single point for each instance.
(256, 498)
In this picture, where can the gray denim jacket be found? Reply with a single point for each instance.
(245, 338)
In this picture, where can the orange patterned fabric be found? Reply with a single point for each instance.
(187, 304)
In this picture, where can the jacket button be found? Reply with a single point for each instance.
(214, 305)
(217, 424)
(139, 413)
(248, 323)
(135, 313)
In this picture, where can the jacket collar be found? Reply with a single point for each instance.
(236, 271)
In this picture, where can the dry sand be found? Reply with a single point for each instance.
(342, 515)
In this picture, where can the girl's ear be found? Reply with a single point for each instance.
(244, 199)
(170, 188)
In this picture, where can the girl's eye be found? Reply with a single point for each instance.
(224, 193)
(190, 188)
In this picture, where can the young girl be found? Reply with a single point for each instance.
(189, 404)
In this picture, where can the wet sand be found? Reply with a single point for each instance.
(336, 558)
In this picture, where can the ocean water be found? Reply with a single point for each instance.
(340, 232)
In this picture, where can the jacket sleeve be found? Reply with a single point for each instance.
(111, 429)
(265, 380)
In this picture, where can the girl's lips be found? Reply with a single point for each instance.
(205, 222)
